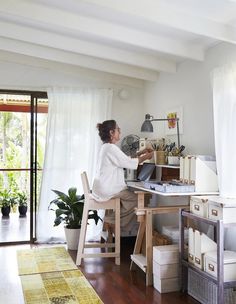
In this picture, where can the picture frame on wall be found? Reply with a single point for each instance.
(171, 125)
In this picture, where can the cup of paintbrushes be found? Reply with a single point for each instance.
(160, 157)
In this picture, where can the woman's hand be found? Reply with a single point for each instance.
(145, 156)
(146, 150)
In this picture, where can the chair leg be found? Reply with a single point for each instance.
(117, 232)
(82, 235)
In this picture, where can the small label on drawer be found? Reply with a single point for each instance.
(197, 260)
(214, 212)
(211, 267)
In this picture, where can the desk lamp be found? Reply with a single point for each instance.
(148, 127)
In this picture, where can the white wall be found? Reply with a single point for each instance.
(190, 88)
(26, 73)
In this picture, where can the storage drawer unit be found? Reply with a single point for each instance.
(210, 264)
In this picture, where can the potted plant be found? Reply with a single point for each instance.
(5, 202)
(69, 210)
(21, 199)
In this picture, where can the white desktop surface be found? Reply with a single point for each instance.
(139, 186)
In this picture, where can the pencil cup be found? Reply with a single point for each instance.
(160, 157)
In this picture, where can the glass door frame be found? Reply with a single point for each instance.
(34, 96)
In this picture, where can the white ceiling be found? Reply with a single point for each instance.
(134, 38)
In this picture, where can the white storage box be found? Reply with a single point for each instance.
(229, 264)
(166, 285)
(202, 244)
(166, 271)
(167, 254)
(173, 233)
(221, 208)
(199, 205)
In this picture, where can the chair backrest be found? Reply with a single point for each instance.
(85, 183)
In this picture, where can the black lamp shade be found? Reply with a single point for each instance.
(147, 126)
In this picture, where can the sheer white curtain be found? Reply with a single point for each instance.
(224, 103)
(72, 146)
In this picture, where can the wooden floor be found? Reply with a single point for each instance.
(114, 284)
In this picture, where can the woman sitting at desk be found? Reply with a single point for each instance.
(109, 181)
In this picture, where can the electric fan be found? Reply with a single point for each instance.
(130, 145)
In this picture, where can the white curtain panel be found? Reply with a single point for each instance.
(72, 146)
(224, 102)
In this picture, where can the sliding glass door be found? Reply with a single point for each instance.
(23, 117)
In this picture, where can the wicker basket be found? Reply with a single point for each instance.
(205, 291)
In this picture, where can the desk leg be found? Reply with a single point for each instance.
(149, 249)
(139, 239)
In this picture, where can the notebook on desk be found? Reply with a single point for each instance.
(145, 173)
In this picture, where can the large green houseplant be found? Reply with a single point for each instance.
(69, 211)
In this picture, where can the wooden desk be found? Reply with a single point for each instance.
(145, 226)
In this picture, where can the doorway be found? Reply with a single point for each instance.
(23, 119)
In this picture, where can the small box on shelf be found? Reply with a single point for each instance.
(221, 208)
(210, 265)
(199, 205)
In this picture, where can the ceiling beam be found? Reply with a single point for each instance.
(70, 44)
(9, 59)
(162, 14)
(71, 58)
(70, 23)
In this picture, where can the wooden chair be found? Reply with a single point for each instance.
(91, 204)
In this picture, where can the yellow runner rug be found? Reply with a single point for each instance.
(40, 260)
(60, 287)
(49, 276)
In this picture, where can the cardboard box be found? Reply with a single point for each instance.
(166, 271)
(166, 285)
(167, 254)
(221, 208)
(210, 264)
